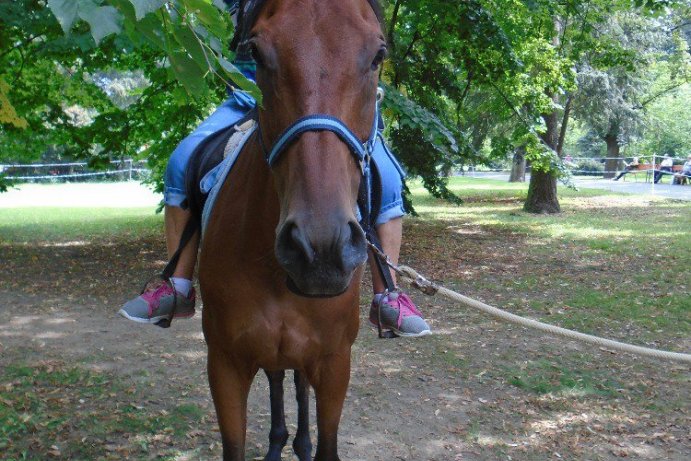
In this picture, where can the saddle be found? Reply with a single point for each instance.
(199, 176)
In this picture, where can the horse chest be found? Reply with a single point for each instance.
(280, 333)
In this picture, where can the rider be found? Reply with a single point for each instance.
(396, 310)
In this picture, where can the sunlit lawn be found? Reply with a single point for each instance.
(644, 244)
(37, 224)
(595, 216)
(638, 250)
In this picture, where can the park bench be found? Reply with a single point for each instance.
(679, 177)
(640, 168)
(649, 171)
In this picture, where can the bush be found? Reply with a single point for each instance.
(588, 167)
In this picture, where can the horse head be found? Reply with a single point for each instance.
(325, 61)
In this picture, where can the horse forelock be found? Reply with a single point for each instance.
(249, 13)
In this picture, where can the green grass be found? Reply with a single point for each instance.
(626, 256)
(77, 410)
(36, 224)
(607, 224)
(547, 377)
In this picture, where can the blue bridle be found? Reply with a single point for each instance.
(362, 151)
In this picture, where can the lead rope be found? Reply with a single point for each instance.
(429, 288)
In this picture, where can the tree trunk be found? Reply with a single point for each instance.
(518, 166)
(612, 156)
(542, 191)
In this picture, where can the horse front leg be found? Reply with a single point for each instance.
(302, 445)
(330, 384)
(278, 436)
(229, 389)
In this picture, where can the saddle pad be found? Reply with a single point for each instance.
(212, 181)
(207, 156)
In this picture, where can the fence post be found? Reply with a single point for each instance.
(652, 180)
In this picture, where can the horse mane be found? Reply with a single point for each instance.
(247, 15)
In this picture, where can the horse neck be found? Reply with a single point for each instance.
(257, 191)
(246, 212)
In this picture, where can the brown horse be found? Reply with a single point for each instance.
(282, 255)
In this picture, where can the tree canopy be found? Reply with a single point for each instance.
(467, 82)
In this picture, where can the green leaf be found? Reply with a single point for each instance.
(240, 80)
(216, 45)
(190, 43)
(65, 11)
(208, 15)
(188, 73)
(103, 20)
(151, 27)
(144, 7)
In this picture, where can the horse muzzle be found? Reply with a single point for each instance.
(320, 257)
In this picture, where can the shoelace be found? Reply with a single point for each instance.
(406, 307)
(154, 295)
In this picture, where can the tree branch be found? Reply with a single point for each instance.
(416, 36)
(467, 87)
(564, 125)
(662, 93)
(683, 24)
(20, 45)
(392, 24)
(21, 68)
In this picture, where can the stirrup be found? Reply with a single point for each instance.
(388, 334)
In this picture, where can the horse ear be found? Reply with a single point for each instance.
(236, 12)
(247, 13)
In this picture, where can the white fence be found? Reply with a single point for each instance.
(597, 166)
(126, 169)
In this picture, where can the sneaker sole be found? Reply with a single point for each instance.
(401, 333)
(123, 313)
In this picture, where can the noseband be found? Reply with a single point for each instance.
(362, 151)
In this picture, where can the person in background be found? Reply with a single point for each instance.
(628, 167)
(665, 166)
(685, 175)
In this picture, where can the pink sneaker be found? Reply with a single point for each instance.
(157, 303)
(397, 313)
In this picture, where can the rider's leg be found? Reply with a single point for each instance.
(395, 311)
(158, 301)
(175, 220)
(390, 235)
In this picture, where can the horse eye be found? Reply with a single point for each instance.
(379, 58)
(254, 51)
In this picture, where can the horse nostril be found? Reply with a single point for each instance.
(357, 235)
(292, 245)
(354, 247)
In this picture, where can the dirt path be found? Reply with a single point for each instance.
(452, 396)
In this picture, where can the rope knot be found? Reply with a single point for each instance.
(418, 281)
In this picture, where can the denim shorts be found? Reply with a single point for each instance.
(232, 110)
